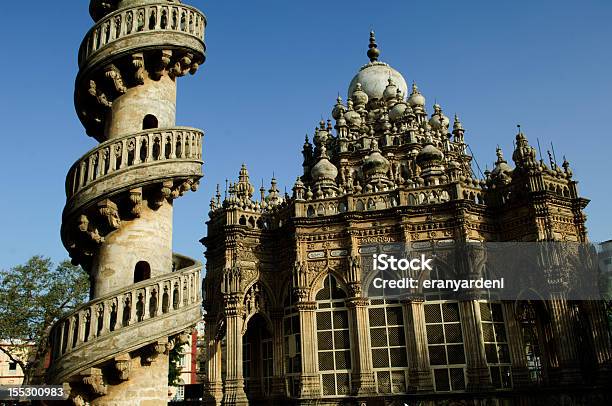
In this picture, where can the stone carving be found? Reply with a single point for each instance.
(114, 74)
(109, 212)
(123, 366)
(139, 64)
(94, 380)
(136, 200)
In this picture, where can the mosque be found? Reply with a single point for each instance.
(288, 318)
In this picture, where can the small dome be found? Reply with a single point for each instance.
(324, 169)
(391, 90)
(416, 98)
(360, 98)
(375, 75)
(375, 163)
(351, 116)
(397, 111)
(438, 120)
(339, 109)
(501, 166)
(429, 153)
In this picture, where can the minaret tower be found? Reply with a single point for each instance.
(117, 223)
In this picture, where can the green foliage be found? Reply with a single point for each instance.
(174, 368)
(32, 297)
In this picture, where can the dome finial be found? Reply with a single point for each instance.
(373, 51)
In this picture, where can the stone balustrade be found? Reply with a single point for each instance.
(126, 22)
(154, 304)
(102, 169)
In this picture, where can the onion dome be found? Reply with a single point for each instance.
(416, 98)
(398, 110)
(391, 90)
(324, 170)
(360, 98)
(501, 166)
(429, 154)
(375, 165)
(351, 116)
(438, 120)
(321, 134)
(373, 76)
(339, 109)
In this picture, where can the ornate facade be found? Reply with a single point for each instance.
(117, 222)
(287, 318)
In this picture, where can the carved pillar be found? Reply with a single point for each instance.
(278, 381)
(520, 371)
(310, 386)
(478, 375)
(233, 388)
(362, 377)
(562, 323)
(213, 389)
(416, 343)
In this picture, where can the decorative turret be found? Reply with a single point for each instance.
(117, 222)
(524, 155)
(244, 189)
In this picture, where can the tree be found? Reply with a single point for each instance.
(174, 365)
(33, 296)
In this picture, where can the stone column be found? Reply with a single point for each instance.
(233, 388)
(310, 385)
(419, 372)
(214, 385)
(562, 324)
(478, 374)
(520, 371)
(278, 380)
(362, 377)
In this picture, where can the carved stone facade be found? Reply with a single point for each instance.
(287, 319)
(117, 222)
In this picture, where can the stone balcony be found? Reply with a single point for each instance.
(164, 25)
(132, 161)
(126, 320)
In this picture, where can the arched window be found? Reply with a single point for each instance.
(333, 339)
(149, 121)
(388, 344)
(142, 271)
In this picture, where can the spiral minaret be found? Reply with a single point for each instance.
(117, 222)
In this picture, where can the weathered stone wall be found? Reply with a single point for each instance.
(147, 386)
(146, 238)
(155, 97)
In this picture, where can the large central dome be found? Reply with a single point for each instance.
(374, 77)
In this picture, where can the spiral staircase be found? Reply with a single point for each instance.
(117, 222)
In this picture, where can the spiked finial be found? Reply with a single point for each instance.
(373, 51)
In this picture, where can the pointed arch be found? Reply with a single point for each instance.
(319, 281)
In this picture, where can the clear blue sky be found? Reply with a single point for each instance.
(275, 67)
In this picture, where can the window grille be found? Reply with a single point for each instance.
(267, 365)
(388, 343)
(445, 345)
(292, 350)
(496, 344)
(333, 339)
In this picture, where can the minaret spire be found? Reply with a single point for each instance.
(373, 51)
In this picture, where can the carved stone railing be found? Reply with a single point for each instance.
(162, 18)
(126, 320)
(161, 153)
